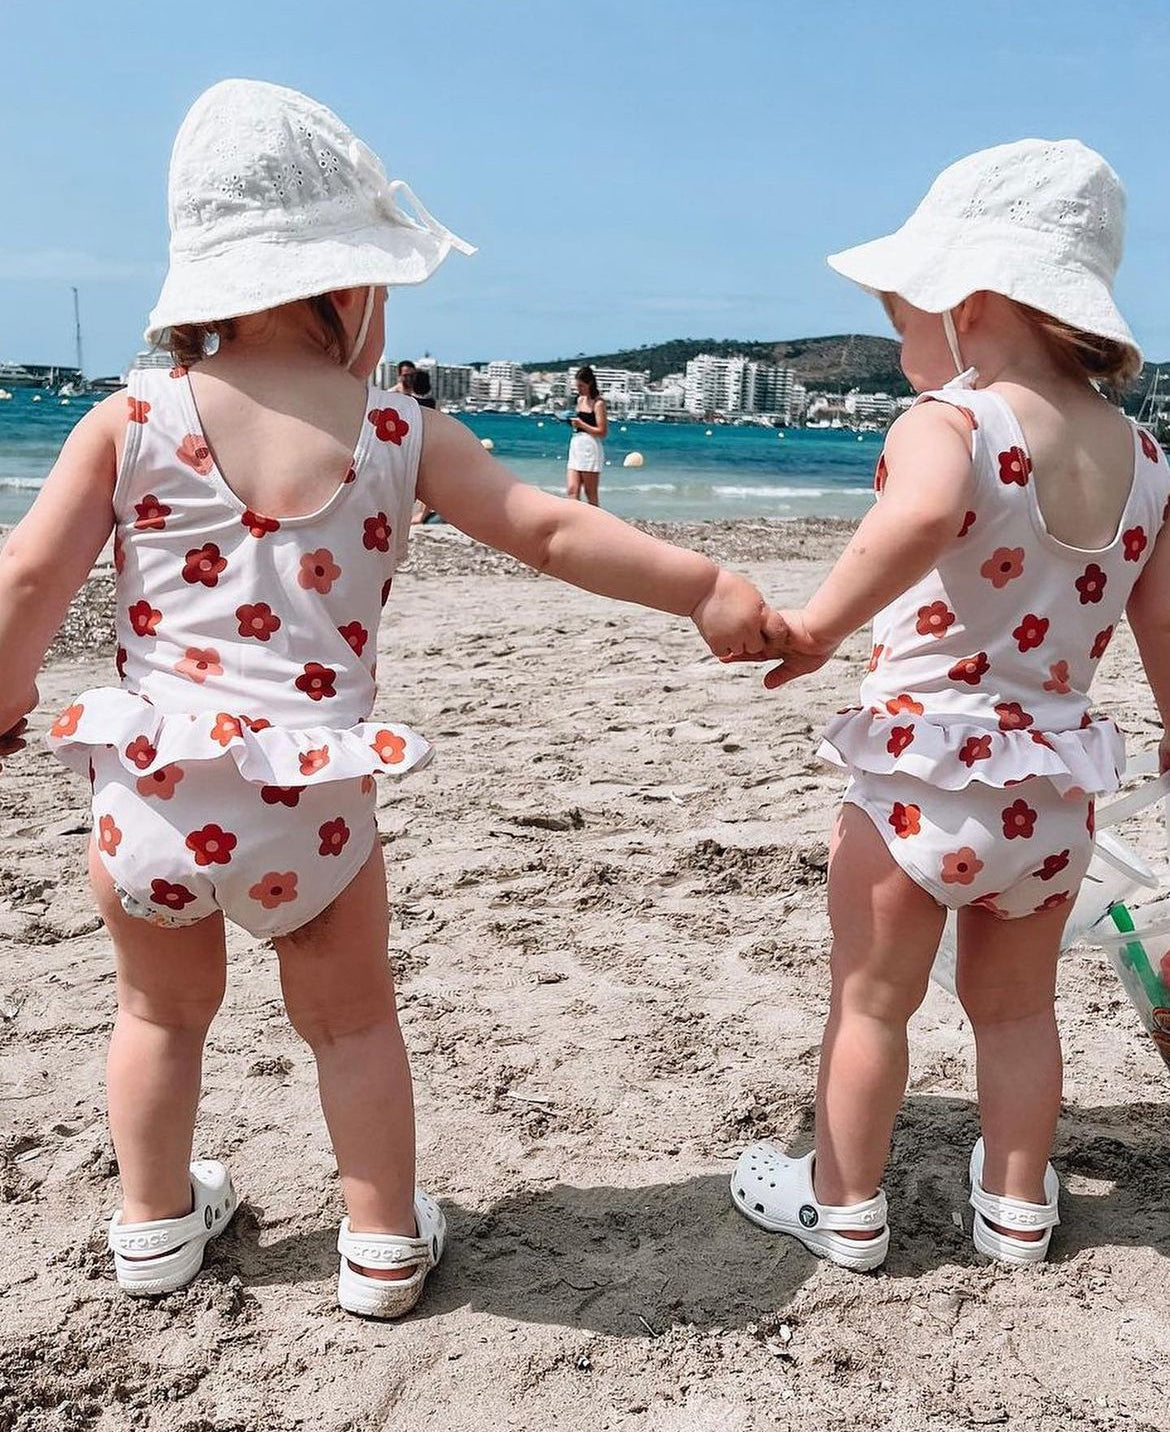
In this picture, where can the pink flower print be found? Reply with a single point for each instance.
(389, 426)
(226, 729)
(971, 669)
(193, 451)
(257, 620)
(905, 820)
(900, 738)
(212, 845)
(1091, 584)
(933, 620)
(1003, 566)
(356, 635)
(1058, 681)
(109, 836)
(904, 705)
(314, 760)
(1053, 865)
(161, 783)
(961, 866)
(1051, 902)
(1135, 542)
(152, 514)
(66, 723)
(174, 897)
(275, 889)
(377, 534)
(333, 834)
(318, 571)
(1019, 820)
(140, 752)
(1012, 716)
(144, 618)
(138, 409)
(259, 526)
(389, 748)
(1014, 466)
(317, 681)
(1031, 631)
(968, 522)
(204, 564)
(199, 663)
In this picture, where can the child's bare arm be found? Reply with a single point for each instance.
(1149, 616)
(582, 545)
(50, 553)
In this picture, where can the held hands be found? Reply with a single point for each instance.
(786, 637)
(12, 719)
(731, 619)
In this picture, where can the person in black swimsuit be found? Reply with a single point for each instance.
(590, 426)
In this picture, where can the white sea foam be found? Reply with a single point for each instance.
(784, 492)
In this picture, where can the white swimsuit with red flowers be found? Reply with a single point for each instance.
(232, 765)
(980, 672)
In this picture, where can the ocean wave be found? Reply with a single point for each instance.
(21, 484)
(781, 492)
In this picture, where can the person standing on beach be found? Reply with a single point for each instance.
(590, 427)
(406, 372)
(1020, 515)
(260, 502)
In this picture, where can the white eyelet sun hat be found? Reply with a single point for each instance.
(1039, 221)
(272, 198)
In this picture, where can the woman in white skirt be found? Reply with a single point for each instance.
(586, 454)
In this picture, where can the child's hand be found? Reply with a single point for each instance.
(13, 723)
(730, 619)
(786, 635)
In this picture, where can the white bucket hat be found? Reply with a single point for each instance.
(272, 198)
(1039, 221)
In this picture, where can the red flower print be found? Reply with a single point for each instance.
(961, 866)
(1100, 642)
(386, 585)
(226, 729)
(66, 723)
(389, 748)
(109, 836)
(904, 706)
(259, 526)
(204, 564)
(212, 845)
(377, 533)
(1040, 739)
(120, 657)
(1051, 903)
(334, 834)
(318, 571)
(367, 785)
(138, 409)
(1019, 820)
(140, 752)
(1014, 466)
(1086, 720)
(350, 476)
(1136, 542)
(144, 618)
(1091, 584)
(317, 681)
(1149, 446)
(900, 738)
(1091, 819)
(906, 819)
(389, 427)
(1012, 716)
(1031, 631)
(257, 620)
(174, 897)
(193, 450)
(356, 635)
(933, 620)
(972, 669)
(1058, 678)
(281, 795)
(314, 760)
(119, 553)
(160, 783)
(152, 514)
(975, 748)
(1053, 865)
(880, 473)
(968, 522)
(255, 723)
(1003, 566)
(199, 663)
(275, 888)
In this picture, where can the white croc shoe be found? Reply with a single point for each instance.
(1011, 1213)
(163, 1256)
(776, 1192)
(390, 1297)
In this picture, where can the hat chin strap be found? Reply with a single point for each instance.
(364, 327)
(965, 377)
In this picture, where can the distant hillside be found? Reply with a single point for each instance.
(845, 361)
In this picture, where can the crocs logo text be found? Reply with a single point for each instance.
(143, 1241)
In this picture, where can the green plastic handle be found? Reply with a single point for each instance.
(1136, 957)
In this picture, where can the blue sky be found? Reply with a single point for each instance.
(631, 171)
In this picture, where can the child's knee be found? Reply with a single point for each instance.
(183, 1013)
(328, 1018)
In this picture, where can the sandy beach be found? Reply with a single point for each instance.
(610, 940)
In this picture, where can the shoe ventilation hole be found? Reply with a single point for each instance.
(759, 1208)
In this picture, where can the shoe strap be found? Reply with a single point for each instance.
(384, 1250)
(1013, 1212)
(872, 1213)
(163, 1235)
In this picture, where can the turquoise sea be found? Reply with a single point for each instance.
(690, 472)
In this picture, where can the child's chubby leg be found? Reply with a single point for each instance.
(1007, 985)
(339, 994)
(886, 931)
(170, 985)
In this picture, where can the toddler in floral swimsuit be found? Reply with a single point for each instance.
(260, 495)
(1019, 516)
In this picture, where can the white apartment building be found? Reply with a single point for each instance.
(739, 385)
(870, 407)
(658, 402)
(450, 382)
(508, 384)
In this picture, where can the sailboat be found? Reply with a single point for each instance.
(78, 386)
